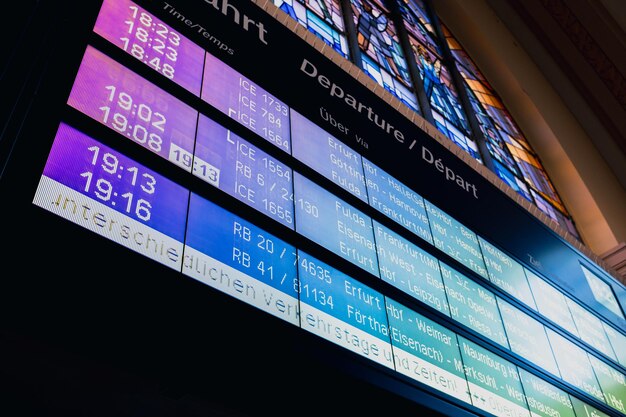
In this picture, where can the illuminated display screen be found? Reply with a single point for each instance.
(135, 108)
(426, 351)
(602, 292)
(527, 337)
(342, 310)
(327, 155)
(334, 224)
(473, 305)
(583, 409)
(506, 273)
(397, 201)
(574, 365)
(544, 399)
(238, 258)
(151, 41)
(455, 239)
(101, 190)
(590, 328)
(551, 303)
(612, 382)
(234, 165)
(618, 342)
(244, 101)
(494, 383)
(409, 268)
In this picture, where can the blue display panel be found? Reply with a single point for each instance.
(236, 257)
(234, 165)
(106, 192)
(494, 383)
(551, 302)
(334, 224)
(246, 102)
(455, 239)
(612, 382)
(618, 342)
(409, 268)
(327, 155)
(590, 329)
(527, 337)
(574, 365)
(426, 351)
(397, 201)
(602, 292)
(506, 273)
(544, 399)
(342, 310)
(473, 305)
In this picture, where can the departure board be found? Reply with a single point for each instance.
(254, 203)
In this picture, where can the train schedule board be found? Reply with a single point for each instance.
(107, 143)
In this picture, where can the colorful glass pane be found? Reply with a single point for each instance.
(378, 40)
(515, 161)
(321, 17)
(418, 24)
(437, 81)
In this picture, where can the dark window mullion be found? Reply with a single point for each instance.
(448, 60)
(418, 84)
(351, 34)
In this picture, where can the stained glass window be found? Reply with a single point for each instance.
(382, 55)
(437, 81)
(514, 159)
(383, 59)
(322, 17)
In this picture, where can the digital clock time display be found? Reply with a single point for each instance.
(152, 42)
(134, 108)
(98, 188)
